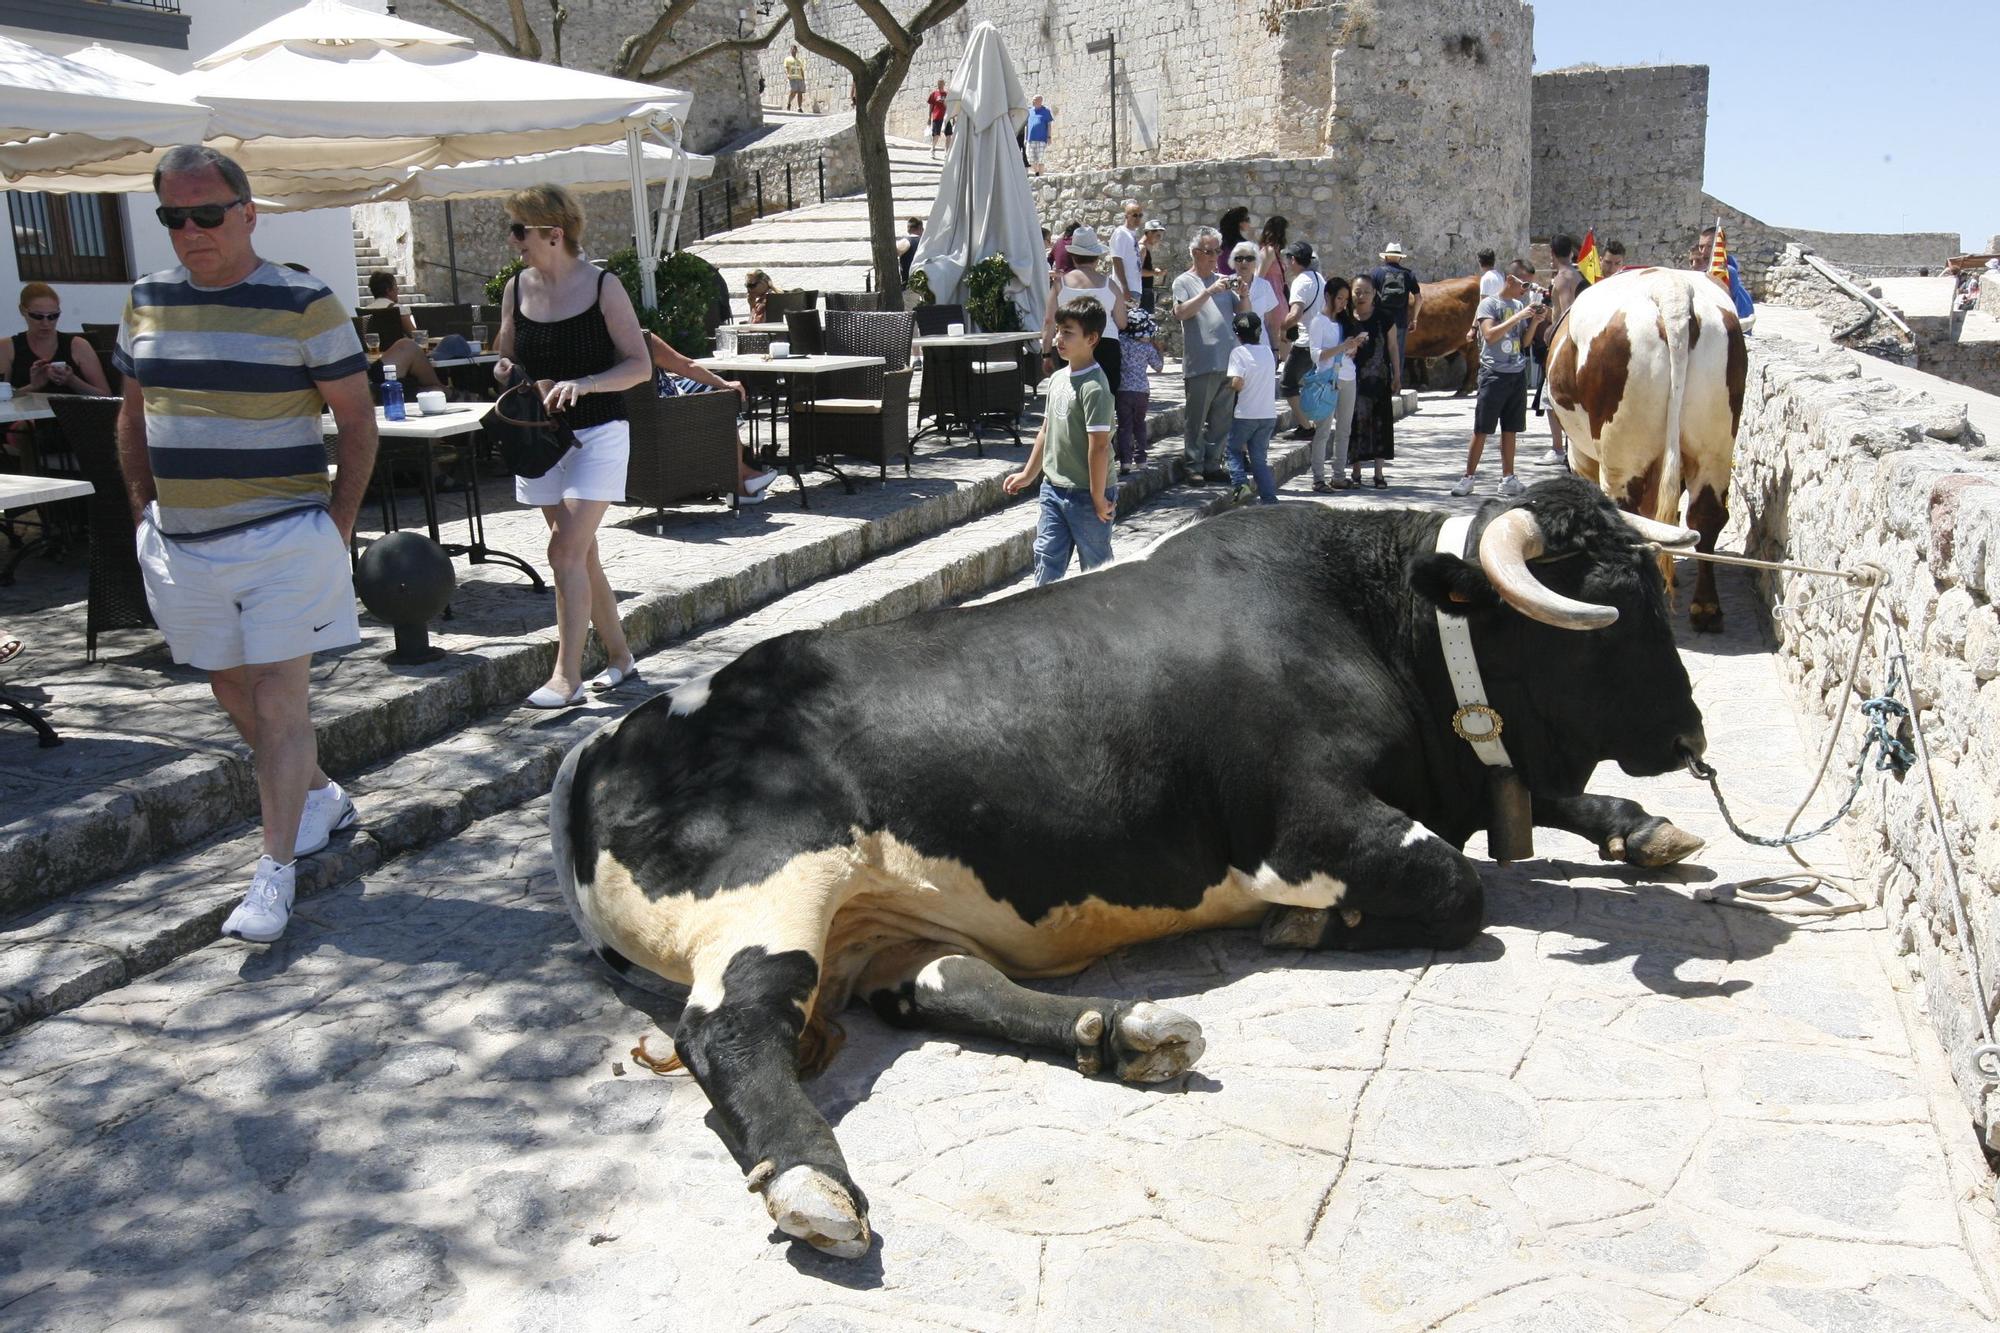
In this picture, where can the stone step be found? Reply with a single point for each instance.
(103, 936)
(116, 825)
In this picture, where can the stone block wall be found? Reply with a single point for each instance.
(1836, 470)
(1880, 254)
(1971, 358)
(801, 145)
(1622, 150)
(1756, 244)
(1180, 64)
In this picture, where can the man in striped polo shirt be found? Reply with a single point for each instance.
(228, 362)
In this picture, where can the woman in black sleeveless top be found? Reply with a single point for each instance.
(568, 325)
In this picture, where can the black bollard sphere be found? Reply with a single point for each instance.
(406, 579)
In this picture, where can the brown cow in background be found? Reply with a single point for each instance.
(1444, 323)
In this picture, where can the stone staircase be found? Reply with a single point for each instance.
(368, 258)
(111, 883)
(824, 246)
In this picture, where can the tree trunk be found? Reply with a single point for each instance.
(871, 140)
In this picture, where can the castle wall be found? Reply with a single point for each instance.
(1880, 254)
(1756, 244)
(1622, 150)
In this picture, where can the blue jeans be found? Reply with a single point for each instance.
(1069, 522)
(1250, 456)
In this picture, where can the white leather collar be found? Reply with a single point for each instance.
(1476, 722)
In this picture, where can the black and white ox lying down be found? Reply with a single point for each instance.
(1251, 722)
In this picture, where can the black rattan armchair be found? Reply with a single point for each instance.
(863, 413)
(683, 447)
(117, 597)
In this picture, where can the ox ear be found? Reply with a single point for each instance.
(1452, 585)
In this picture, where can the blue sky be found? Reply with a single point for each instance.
(1824, 114)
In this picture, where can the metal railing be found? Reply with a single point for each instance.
(723, 205)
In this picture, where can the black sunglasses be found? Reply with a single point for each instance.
(206, 216)
(519, 230)
(46, 319)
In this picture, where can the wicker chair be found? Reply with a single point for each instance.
(805, 332)
(779, 304)
(852, 301)
(682, 447)
(117, 591)
(862, 413)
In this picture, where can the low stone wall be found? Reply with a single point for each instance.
(1880, 254)
(1971, 359)
(1834, 469)
(799, 144)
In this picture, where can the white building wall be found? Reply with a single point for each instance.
(322, 240)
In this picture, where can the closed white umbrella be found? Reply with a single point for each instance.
(985, 205)
(98, 114)
(330, 98)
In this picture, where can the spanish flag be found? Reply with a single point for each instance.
(1587, 262)
(1718, 258)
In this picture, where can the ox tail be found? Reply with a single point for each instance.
(561, 842)
(1676, 309)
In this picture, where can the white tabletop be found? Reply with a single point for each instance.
(26, 407)
(23, 492)
(766, 327)
(757, 364)
(482, 359)
(974, 339)
(456, 419)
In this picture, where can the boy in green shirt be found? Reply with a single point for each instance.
(1073, 451)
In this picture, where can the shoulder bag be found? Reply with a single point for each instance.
(529, 437)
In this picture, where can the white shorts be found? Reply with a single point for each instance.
(1037, 149)
(594, 470)
(280, 590)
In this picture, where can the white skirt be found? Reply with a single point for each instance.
(594, 470)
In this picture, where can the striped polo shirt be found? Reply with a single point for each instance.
(230, 378)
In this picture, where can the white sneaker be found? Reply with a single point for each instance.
(327, 812)
(1463, 486)
(1510, 486)
(264, 911)
(1555, 458)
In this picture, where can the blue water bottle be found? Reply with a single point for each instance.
(392, 394)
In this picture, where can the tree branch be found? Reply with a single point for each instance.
(821, 46)
(892, 32)
(756, 43)
(524, 30)
(932, 14)
(507, 46)
(636, 50)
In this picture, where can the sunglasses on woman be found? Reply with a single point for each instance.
(46, 319)
(519, 230)
(206, 216)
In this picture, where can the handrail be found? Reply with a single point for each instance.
(1834, 276)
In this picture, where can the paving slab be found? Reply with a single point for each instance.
(1620, 1107)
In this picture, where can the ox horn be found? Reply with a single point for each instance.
(1670, 536)
(1505, 548)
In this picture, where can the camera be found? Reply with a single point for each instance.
(1537, 295)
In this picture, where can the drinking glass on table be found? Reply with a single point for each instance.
(479, 336)
(725, 340)
(423, 339)
(373, 342)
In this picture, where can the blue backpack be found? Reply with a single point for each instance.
(1319, 392)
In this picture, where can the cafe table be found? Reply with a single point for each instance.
(431, 429)
(954, 397)
(21, 491)
(799, 378)
(26, 407)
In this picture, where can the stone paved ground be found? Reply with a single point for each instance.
(1619, 1108)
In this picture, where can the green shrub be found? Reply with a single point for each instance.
(920, 285)
(987, 302)
(687, 288)
(496, 286)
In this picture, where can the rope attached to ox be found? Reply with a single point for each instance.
(1886, 717)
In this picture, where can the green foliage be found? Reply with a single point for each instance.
(496, 286)
(987, 302)
(920, 284)
(687, 289)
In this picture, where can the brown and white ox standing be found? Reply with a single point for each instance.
(1646, 376)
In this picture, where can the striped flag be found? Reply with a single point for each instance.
(1587, 259)
(1718, 258)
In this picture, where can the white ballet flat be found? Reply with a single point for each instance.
(612, 677)
(548, 698)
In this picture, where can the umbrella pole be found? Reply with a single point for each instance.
(642, 231)
(451, 250)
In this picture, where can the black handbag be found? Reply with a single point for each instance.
(530, 438)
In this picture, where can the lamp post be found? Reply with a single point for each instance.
(1108, 45)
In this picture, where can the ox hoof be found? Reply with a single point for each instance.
(813, 1207)
(1655, 844)
(1145, 1043)
(1295, 927)
(1706, 617)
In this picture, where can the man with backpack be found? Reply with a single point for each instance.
(1307, 291)
(1401, 296)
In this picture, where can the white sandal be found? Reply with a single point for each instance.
(612, 677)
(548, 698)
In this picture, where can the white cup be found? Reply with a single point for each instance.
(781, 349)
(431, 400)
(954, 330)
(473, 348)
(6, 391)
